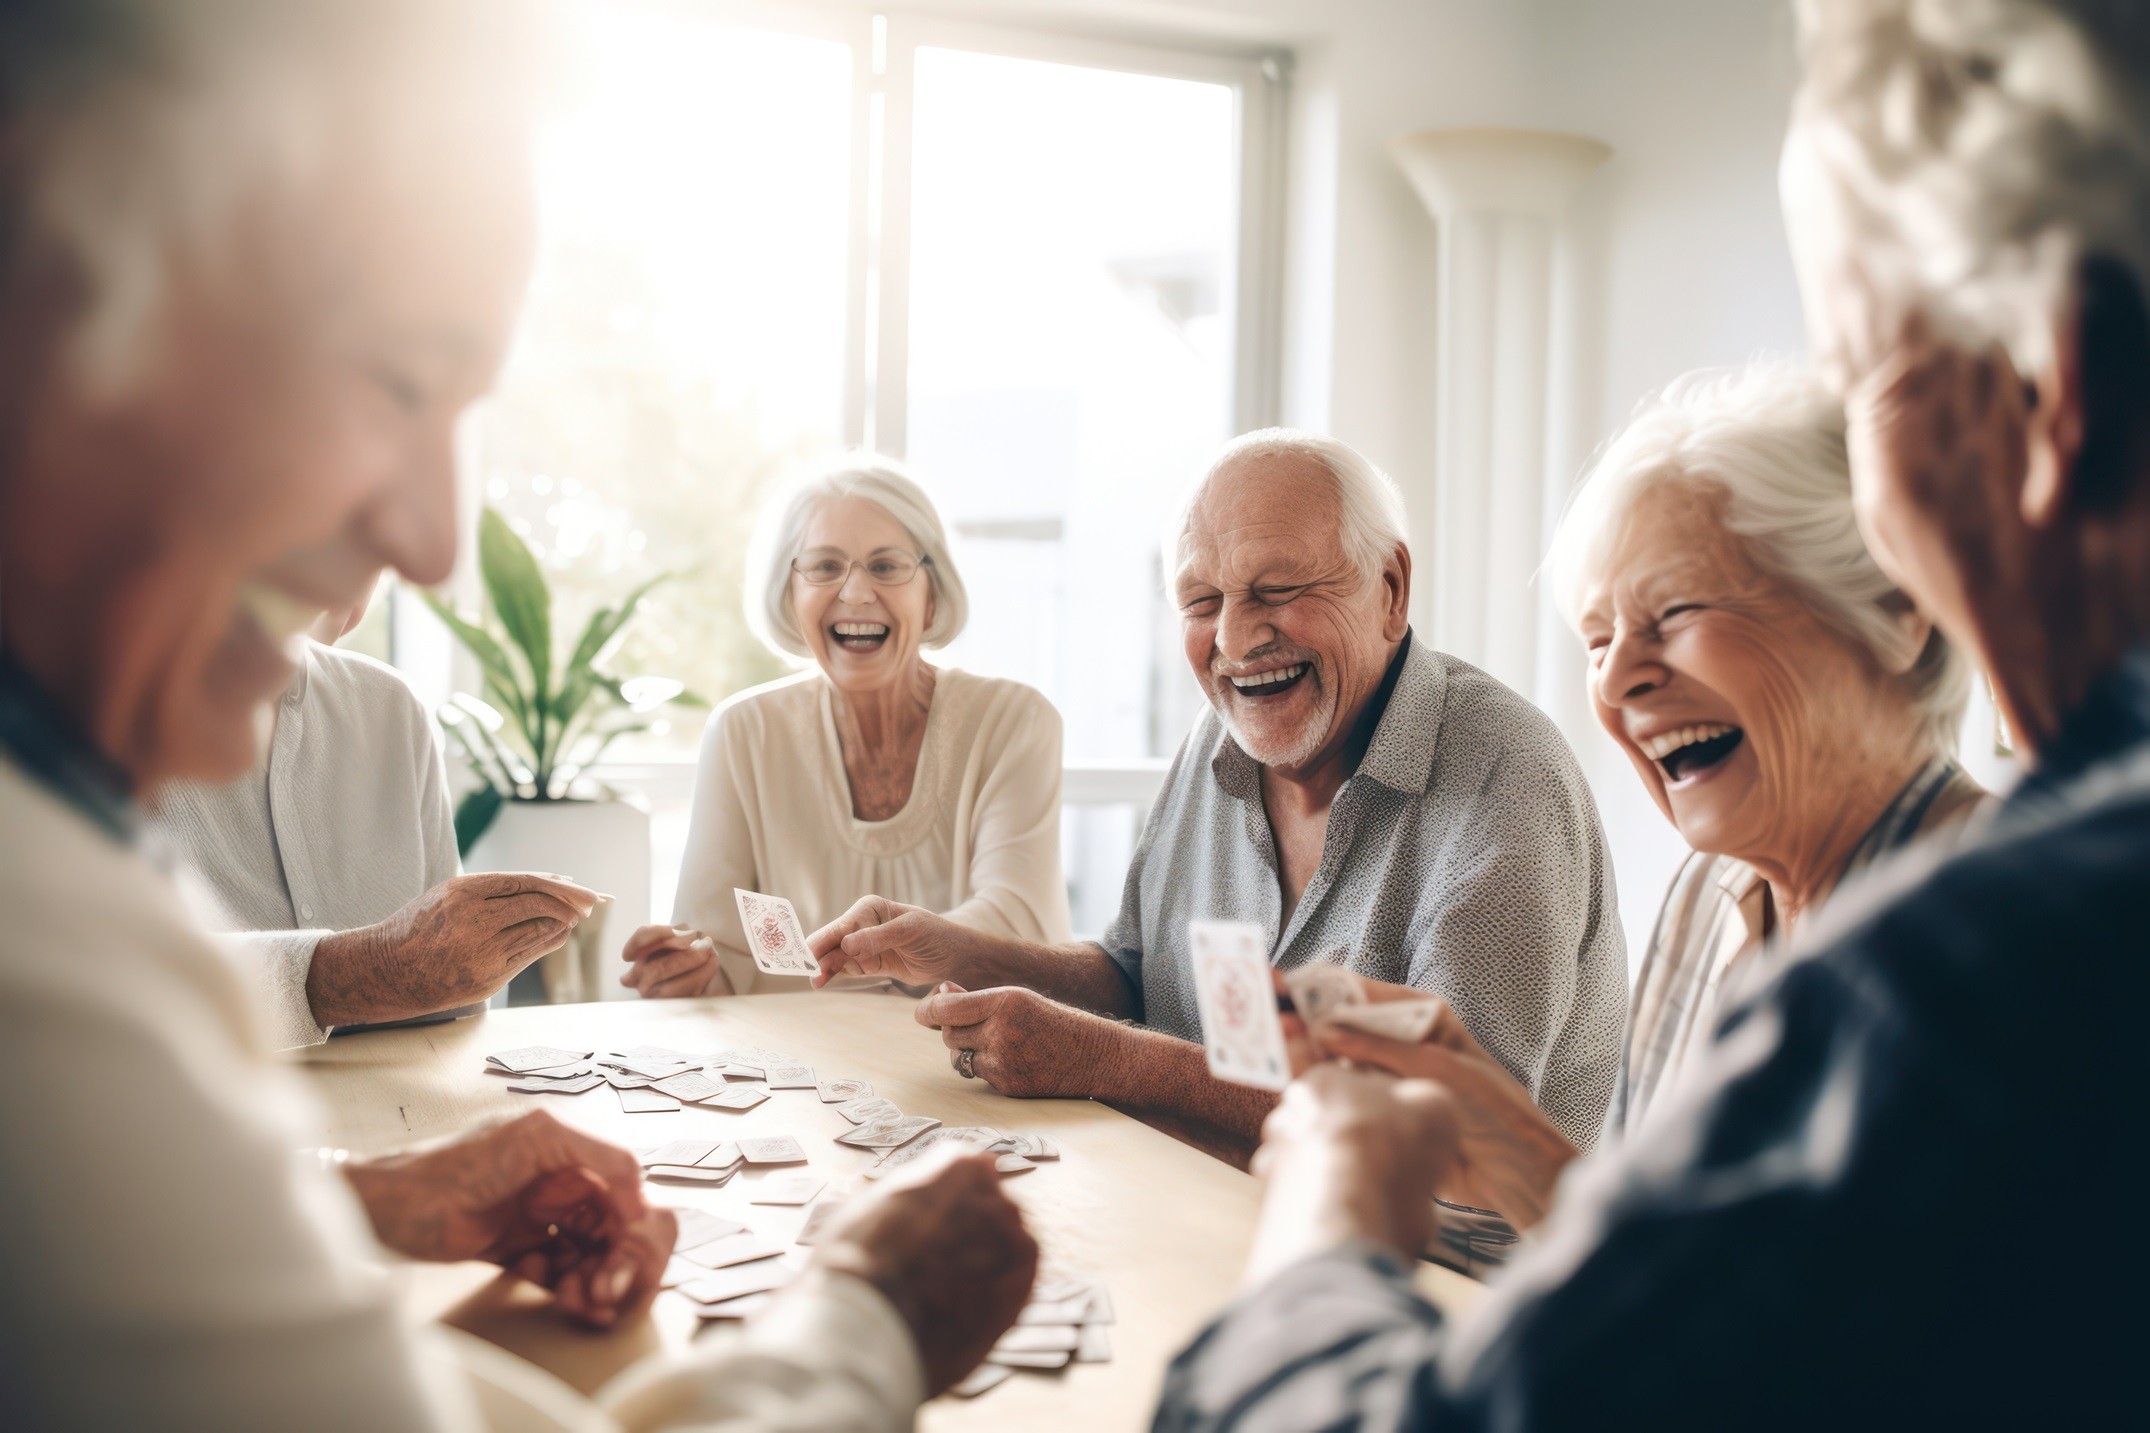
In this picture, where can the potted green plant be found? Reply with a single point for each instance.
(532, 740)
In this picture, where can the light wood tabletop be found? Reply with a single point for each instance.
(1164, 1227)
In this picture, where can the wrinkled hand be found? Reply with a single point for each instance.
(1350, 1154)
(665, 961)
(945, 1245)
(1025, 1045)
(1508, 1155)
(454, 945)
(884, 937)
(536, 1197)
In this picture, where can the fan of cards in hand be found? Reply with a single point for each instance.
(1242, 1027)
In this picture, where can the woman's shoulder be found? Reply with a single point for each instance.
(994, 711)
(781, 700)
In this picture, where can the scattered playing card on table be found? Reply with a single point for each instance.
(1032, 1146)
(622, 1080)
(1241, 1033)
(744, 1307)
(779, 1149)
(742, 1248)
(966, 1137)
(557, 1087)
(985, 1376)
(688, 1173)
(887, 1134)
(646, 1102)
(534, 1057)
(678, 1271)
(1027, 1358)
(699, 1226)
(787, 1189)
(679, 1151)
(652, 1069)
(657, 1052)
(690, 1085)
(774, 937)
(740, 1070)
(758, 1277)
(1407, 1020)
(872, 1110)
(836, 1092)
(1039, 1338)
(737, 1098)
(791, 1077)
(561, 1072)
(1096, 1345)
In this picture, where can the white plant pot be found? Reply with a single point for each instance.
(600, 844)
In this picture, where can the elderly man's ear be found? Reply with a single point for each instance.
(2089, 434)
(1396, 578)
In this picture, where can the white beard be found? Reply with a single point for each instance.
(1303, 744)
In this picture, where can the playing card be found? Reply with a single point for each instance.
(817, 1219)
(744, 1307)
(652, 1069)
(758, 1277)
(557, 1087)
(787, 1189)
(1096, 1345)
(1319, 991)
(780, 1149)
(534, 1057)
(739, 1070)
(985, 1376)
(699, 1226)
(677, 1271)
(690, 1085)
(774, 938)
(1406, 1020)
(742, 1248)
(737, 1098)
(1033, 1146)
(887, 1134)
(646, 1102)
(1025, 1358)
(680, 1151)
(872, 1110)
(622, 1080)
(1039, 1338)
(791, 1077)
(969, 1137)
(1241, 1033)
(688, 1174)
(1012, 1164)
(560, 1072)
(1068, 1311)
(657, 1052)
(836, 1092)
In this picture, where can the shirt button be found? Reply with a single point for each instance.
(306, 912)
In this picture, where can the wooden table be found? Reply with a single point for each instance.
(1164, 1226)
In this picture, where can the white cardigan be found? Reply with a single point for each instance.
(979, 838)
(173, 1257)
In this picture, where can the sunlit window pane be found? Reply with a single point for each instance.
(1072, 243)
(684, 343)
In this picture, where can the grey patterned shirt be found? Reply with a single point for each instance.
(1464, 858)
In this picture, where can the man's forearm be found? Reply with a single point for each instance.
(1078, 974)
(1166, 1083)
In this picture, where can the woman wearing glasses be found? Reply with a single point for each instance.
(874, 771)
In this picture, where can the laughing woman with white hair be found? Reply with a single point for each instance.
(873, 771)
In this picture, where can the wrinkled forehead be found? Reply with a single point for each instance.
(1669, 537)
(1263, 518)
(853, 524)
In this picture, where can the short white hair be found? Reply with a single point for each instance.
(137, 126)
(1981, 149)
(1371, 523)
(1770, 437)
(782, 530)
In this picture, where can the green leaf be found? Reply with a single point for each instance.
(607, 623)
(500, 674)
(520, 599)
(473, 815)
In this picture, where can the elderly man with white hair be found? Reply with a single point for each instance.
(1368, 801)
(1827, 1226)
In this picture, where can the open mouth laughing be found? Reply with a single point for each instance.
(859, 636)
(1261, 686)
(1686, 753)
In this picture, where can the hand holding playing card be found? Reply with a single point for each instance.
(883, 937)
(944, 1244)
(664, 961)
(1022, 1043)
(538, 1198)
(1349, 1154)
(1509, 1156)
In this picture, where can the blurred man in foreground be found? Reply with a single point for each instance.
(1816, 1232)
(256, 257)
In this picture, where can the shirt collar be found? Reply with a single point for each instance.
(1401, 754)
(47, 745)
(2114, 717)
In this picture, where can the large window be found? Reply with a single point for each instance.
(1037, 269)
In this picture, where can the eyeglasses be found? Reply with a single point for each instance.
(825, 567)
